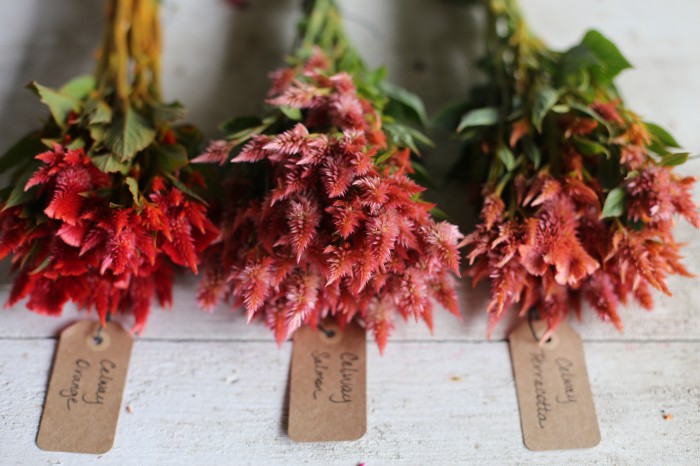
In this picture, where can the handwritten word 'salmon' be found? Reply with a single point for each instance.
(320, 369)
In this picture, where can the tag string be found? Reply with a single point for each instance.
(530, 316)
(328, 332)
(98, 336)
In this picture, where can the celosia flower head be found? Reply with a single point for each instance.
(580, 196)
(341, 230)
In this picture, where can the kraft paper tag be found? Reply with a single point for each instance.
(327, 399)
(554, 394)
(84, 397)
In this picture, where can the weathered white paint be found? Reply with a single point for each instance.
(673, 319)
(206, 389)
(202, 402)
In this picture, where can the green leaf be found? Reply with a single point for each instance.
(183, 187)
(609, 174)
(44, 264)
(79, 88)
(242, 136)
(507, 157)
(448, 117)
(97, 133)
(49, 142)
(661, 135)
(422, 176)
(545, 99)
(171, 157)
(134, 189)
(615, 203)
(576, 59)
(671, 160)
(107, 163)
(419, 137)
(292, 113)
(384, 157)
(190, 137)
(532, 152)
(168, 113)
(403, 103)
(237, 124)
(18, 195)
(98, 112)
(59, 104)
(129, 134)
(486, 116)
(588, 147)
(439, 214)
(471, 135)
(378, 75)
(26, 148)
(77, 143)
(593, 114)
(405, 136)
(611, 61)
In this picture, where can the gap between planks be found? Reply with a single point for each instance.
(395, 342)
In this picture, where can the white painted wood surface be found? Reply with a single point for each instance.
(206, 389)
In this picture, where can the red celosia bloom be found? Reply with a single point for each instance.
(108, 212)
(339, 234)
(99, 256)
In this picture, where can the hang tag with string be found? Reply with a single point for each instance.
(554, 393)
(85, 391)
(327, 396)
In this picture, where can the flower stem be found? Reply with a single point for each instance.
(322, 27)
(131, 40)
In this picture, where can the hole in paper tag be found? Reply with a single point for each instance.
(550, 343)
(99, 342)
(330, 334)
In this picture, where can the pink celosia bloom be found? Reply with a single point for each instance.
(338, 234)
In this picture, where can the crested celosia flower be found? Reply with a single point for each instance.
(580, 197)
(103, 217)
(340, 229)
(100, 256)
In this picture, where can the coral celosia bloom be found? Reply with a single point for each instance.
(580, 198)
(342, 230)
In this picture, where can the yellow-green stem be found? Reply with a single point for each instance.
(129, 59)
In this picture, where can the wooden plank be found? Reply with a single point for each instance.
(673, 319)
(451, 403)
